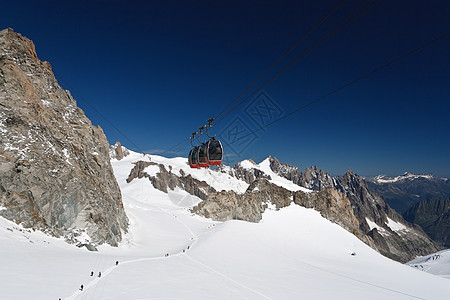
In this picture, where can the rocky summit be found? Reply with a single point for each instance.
(55, 172)
(344, 200)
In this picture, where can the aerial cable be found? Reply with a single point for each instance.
(350, 83)
(275, 63)
(175, 146)
(209, 126)
(308, 50)
(304, 53)
(80, 97)
(179, 148)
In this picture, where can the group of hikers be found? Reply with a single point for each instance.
(99, 275)
(117, 263)
(184, 250)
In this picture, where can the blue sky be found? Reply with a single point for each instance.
(158, 70)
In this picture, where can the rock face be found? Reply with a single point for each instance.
(434, 217)
(401, 242)
(55, 173)
(117, 151)
(164, 180)
(313, 178)
(344, 200)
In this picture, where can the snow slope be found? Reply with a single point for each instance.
(292, 253)
(275, 178)
(437, 263)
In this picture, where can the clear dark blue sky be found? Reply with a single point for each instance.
(158, 69)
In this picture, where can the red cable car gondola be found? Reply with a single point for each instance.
(207, 154)
(201, 156)
(214, 152)
(193, 163)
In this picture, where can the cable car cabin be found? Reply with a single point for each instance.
(214, 152)
(193, 163)
(201, 156)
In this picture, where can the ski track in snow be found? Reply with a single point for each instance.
(228, 278)
(97, 280)
(339, 275)
(105, 274)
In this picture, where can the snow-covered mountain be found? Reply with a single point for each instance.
(345, 200)
(402, 192)
(436, 263)
(380, 179)
(169, 253)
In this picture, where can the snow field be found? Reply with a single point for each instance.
(292, 253)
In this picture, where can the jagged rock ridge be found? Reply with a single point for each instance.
(55, 173)
(402, 242)
(164, 180)
(117, 151)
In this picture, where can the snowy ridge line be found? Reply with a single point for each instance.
(229, 278)
(380, 179)
(340, 275)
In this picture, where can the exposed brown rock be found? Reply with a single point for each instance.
(55, 173)
(117, 151)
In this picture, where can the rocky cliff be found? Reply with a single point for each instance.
(371, 218)
(434, 217)
(55, 173)
(394, 237)
(164, 180)
(117, 151)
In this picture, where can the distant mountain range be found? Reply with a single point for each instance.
(401, 192)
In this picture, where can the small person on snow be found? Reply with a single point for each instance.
(117, 263)
(81, 288)
(99, 274)
(92, 273)
(188, 247)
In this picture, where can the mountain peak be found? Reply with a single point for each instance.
(55, 174)
(382, 179)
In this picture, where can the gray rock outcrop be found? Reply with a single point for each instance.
(55, 173)
(433, 216)
(165, 180)
(117, 151)
(401, 245)
(344, 200)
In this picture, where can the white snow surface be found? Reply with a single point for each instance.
(373, 225)
(247, 164)
(380, 179)
(437, 263)
(293, 253)
(277, 179)
(395, 226)
(152, 170)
